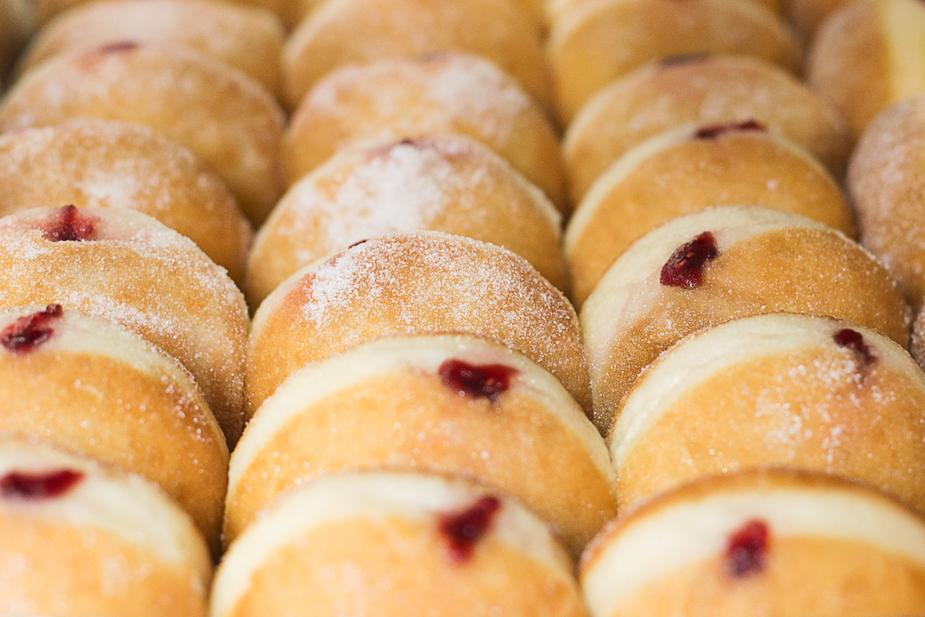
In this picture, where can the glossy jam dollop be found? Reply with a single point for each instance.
(854, 340)
(34, 486)
(30, 331)
(685, 266)
(747, 548)
(714, 131)
(463, 530)
(67, 224)
(477, 380)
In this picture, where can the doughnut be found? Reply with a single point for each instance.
(869, 54)
(129, 269)
(453, 404)
(244, 37)
(592, 45)
(689, 169)
(89, 386)
(707, 268)
(888, 190)
(223, 116)
(807, 15)
(556, 9)
(341, 32)
(444, 183)
(82, 540)
(766, 542)
(288, 10)
(806, 392)
(425, 96)
(422, 283)
(701, 90)
(379, 543)
(100, 164)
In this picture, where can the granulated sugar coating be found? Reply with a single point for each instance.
(425, 283)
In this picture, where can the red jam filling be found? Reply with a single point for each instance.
(685, 266)
(715, 130)
(69, 225)
(464, 529)
(477, 381)
(30, 331)
(854, 340)
(48, 485)
(747, 548)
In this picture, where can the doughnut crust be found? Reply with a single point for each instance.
(702, 90)
(593, 44)
(689, 169)
(228, 120)
(377, 543)
(444, 183)
(82, 540)
(779, 542)
(557, 9)
(806, 392)
(131, 270)
(424, 96)
(423, 283)
(99, 164)
(704, 269)
(869, 54)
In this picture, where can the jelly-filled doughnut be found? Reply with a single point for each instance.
(101, 164)
(689, 169)
(702, 90)
(91, 387)
(381, 543)
(81, 540)
(227, 119)
(592, 45)
(423, 283)
(704, 269)
(423, 96)
(805, 392)
(444, 183)
(869, 54)
(341, 32)
(451, 404)
(131, 270)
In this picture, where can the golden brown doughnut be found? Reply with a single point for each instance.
(45, 10)
(82, 540)
(602, 40)
(707, 268)
(772, 543)
(381, 543)
(688, 169)
(423, 283)
(444, 183)
(701, 90)
(100, 164)
(556, 9)
(129, 269)
(420, 97)
(230, 121)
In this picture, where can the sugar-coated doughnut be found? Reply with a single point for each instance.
(103, 164)
(806, 392)
(82, 540)
(592, 45)
(689, 169)
(45, 10)
(423, 283)
(777, 542)
(555, 10)
(707, 268)
(887, 184)
(452, 404)
(418, 97)
(227, 119)
(382, 543)
(131, 270)
(808, 15)
(89, 386)
(444, 183)
(341, 32)
(247, 38)
(702, 90)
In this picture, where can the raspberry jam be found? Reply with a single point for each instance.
(685, 266)
(716, 130)
(463, 530)
(747, 548)
(30, 331)
(69, 225)
(33, 486)
(477, 381)
(854, 340)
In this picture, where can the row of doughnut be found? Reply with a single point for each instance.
(416, 419)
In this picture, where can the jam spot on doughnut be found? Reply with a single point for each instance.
(854, 340)
(47, 485)
(477, 381)
(69, 225)
(464, 529)
(685, 266)
(746, 548)
(715, 130)
(118, 47)
(681, 59)
(30, 331)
